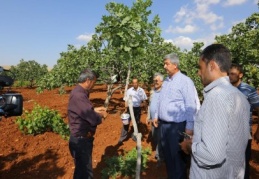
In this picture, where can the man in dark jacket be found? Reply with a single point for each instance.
(83, 121)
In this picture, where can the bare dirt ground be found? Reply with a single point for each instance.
(47, 156)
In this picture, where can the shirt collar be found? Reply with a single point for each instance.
(221, 80)
(240, 85)
(84, 90)
(158, 89)
(174, 76)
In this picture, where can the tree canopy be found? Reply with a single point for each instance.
(30, 71)
(243, 42)
(129, 38)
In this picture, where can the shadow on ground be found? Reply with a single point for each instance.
(40, 166)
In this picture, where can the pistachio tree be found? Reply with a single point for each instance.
(189, 64)
(28, 71)
(243, 41)
(65, 72)
(126, 40)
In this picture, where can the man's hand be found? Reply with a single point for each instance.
(189, 132)
(186, 146)
(155, 122)
(147, 120)
(101, 111)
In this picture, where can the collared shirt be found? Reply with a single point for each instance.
(251, 95)
(220, 133)
(138, 96)
(81, 114)
(177, 101)
(154, 96)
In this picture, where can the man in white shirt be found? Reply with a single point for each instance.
(138, 96)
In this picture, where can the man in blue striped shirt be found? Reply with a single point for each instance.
(175, 114)
(235, 77)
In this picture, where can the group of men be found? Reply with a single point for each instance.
(216, 134)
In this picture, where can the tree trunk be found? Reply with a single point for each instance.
(127, 81)
(137, 135)
(110, 91)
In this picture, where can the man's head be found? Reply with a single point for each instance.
(135, 83)
(171, 64)
(235, 74)
(158, 80)
(87, 79)
(215, 61)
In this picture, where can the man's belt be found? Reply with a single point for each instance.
(88, 135)
(169, 122)
(165, 122)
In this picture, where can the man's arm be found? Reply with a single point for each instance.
(209, 146)
(148, 115)
(190, 105)
(253, 99)
(83, 107)
(155, 122)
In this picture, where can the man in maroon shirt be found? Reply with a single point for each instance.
(83, 120)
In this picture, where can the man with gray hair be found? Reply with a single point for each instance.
(83, 121)
(153, 101)
(175, 115)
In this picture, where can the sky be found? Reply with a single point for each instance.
(41, 29)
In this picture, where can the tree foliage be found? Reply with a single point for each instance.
(189, 64)
(243, 41)
(29, 71)
(129, 42)
(126, 37)
(67, 69)
(129, 39)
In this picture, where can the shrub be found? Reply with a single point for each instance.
(125, 165)
(41, 120)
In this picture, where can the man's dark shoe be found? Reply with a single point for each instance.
(120, 143)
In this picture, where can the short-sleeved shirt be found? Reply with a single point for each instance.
(81, 114)
(138, 96)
